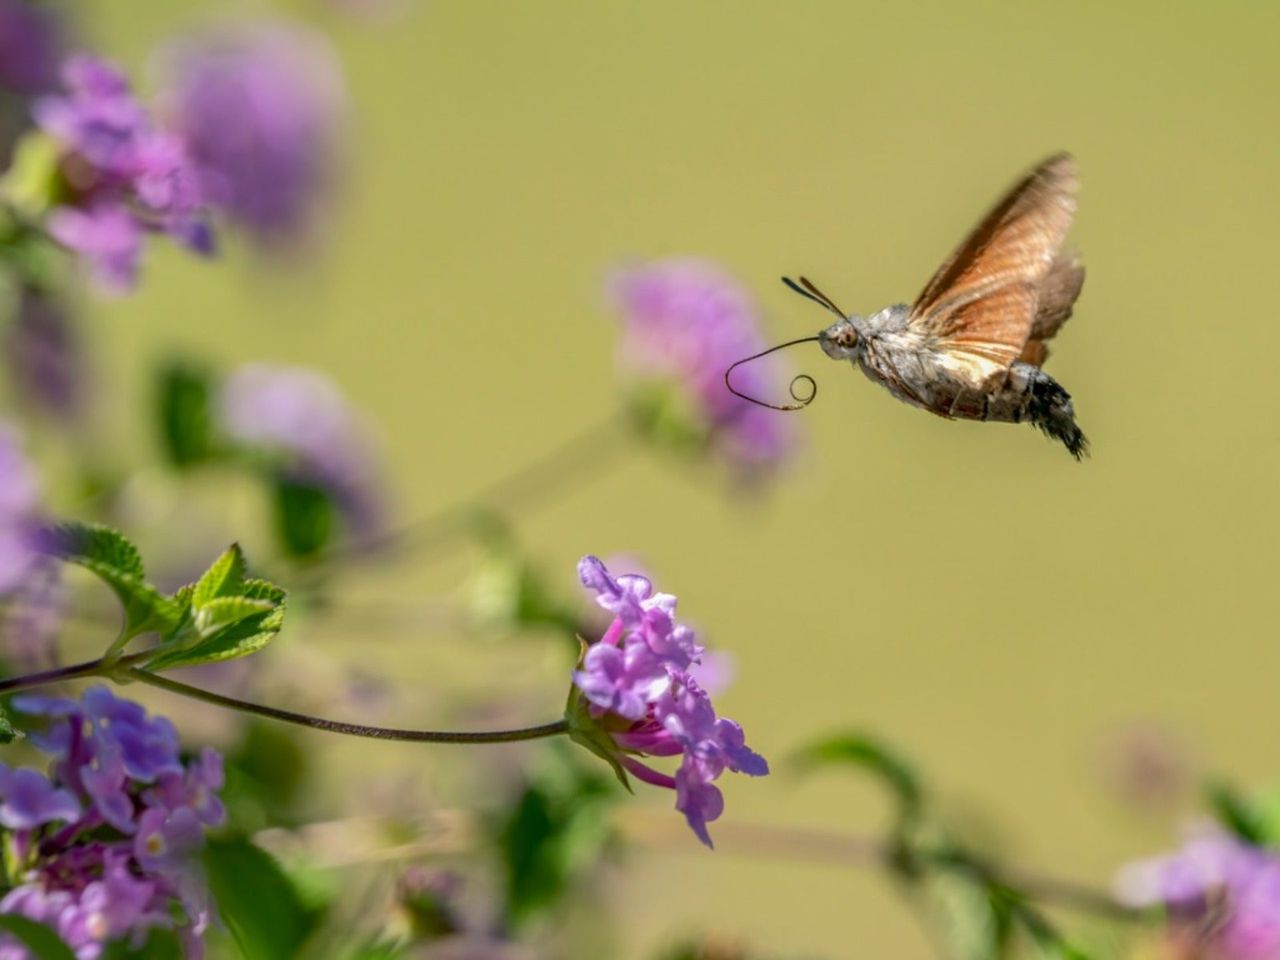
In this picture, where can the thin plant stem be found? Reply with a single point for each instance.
(844, 849)
(552, 474)
(553, 729)
(88, 668)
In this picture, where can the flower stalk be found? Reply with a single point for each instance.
(124, 670)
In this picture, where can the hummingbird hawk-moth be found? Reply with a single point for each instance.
(972, 344)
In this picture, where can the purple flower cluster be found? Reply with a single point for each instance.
(19, 506)
(125, 176)
(1219, 891)
(300, 415)
(685, 322)
(105, 843)
(638, 679)
(283, 86)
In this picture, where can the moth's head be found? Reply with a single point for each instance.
(840, 340)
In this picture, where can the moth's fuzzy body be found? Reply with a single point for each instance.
(903, 360)
(972, 344)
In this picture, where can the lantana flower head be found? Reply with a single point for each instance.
(269, 170)
(105, 843)
(1221, 894)
(684, 322)
(638, 688)
(124, 176)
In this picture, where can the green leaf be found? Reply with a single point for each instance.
(33, 181)
(238, 639)
(114, 560)
(256, 900)
(1238, 814)
(160, 945)
(7, 732)
(183, 410)
(36, 937)
(94, 545)
(224, 578)
(305, 518)
(869, 753)
(1043, 934)
(223, 611)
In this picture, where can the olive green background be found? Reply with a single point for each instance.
(997, 610)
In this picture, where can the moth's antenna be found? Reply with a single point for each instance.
(801, 401)
(807, 289)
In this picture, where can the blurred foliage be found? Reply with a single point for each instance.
(267, 773)
(256, 900)
(551, 837)
(40, 939)
(185, 420)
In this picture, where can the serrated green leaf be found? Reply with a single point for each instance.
(238, 639)
(869, 753)
(36, 937)
(256, 900)
(113, 559)
(95, 543)
(183, 411)
(224, 611)
(224, 578)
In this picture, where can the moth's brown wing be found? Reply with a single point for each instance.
(1034, 353)
(988, 334)
(1057, 295)
(982, 302)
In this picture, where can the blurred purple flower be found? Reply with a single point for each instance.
(30, 45)
(685, 321)
(108, 236)
(1217, 889)
(637, 678)
(270, 169)
(125, 177)
(32, 619)
(30, 40)
(44, 354)
(79, 876)
(300, 415)
(19, 512)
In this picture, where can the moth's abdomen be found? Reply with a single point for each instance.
(1030, 395)
(1051, 411)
